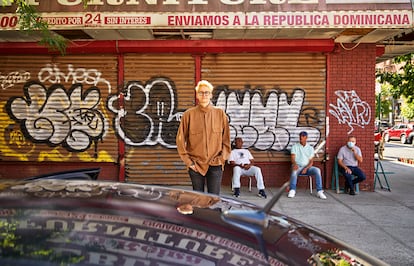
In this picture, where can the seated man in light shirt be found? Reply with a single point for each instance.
(349, 156)
(302, 164)
(242, 162)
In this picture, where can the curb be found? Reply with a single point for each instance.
(406, 160)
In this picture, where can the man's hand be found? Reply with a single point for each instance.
(348, 171)
(304, 170)
(193, 167)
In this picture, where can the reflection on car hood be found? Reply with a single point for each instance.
(79, 222)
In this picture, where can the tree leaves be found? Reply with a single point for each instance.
(402, 81)
(30, 21)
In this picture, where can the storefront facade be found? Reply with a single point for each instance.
(116, 104)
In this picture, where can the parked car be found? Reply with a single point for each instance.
(66, 221)
(402, 132)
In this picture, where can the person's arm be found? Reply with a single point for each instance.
(293, 161)
(181, 141)
(250, 164)
(309, 165)
(233, 164)
(357, 156)
(226, 146)
(341, 164)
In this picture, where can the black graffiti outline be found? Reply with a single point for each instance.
(51, 115)
(141, 108)
(284, 128)
(268, 122)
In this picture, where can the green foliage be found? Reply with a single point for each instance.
(385, 104)
(407, 110)
(31, 21)
(400, 84)
(7, 236)
(402, 81)
(35, 246)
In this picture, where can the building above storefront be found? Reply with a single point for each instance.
(388, 24)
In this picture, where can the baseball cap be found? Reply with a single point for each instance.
(303, 133)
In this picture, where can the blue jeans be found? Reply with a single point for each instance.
(213, 178)
(360, 176)
(313, 171)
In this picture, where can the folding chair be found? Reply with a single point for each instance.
(335, 179)
(310, 181)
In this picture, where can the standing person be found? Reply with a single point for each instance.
(203, 141)
(301, 157)
(242, 161)
(349, 156)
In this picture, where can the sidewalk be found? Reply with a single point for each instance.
(380, 223)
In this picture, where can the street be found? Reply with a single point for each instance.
(394, 150)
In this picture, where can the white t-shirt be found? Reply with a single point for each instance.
(240, 156)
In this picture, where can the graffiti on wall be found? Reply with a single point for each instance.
(153, 106)
(265, 123)
(59, 117)
(13, 78)
(51, 73)
(350, 110)
(74, 117)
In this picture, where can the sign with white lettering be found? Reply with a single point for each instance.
(217, 20)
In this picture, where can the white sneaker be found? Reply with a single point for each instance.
(292, 193)
(321, 195)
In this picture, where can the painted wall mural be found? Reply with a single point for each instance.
(351, 110)
(75, 117)
(265, 123)
(52, 73)
(12, 78)
(153, 106)
(57, 116)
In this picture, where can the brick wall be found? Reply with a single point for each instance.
(352, 70)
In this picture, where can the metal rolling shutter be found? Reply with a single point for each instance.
(161, 87)
(263, 72)
(77, 126)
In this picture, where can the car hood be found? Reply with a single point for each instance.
(86, 222)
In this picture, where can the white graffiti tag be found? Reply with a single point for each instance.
(54, 75)
(151, 108)
(7, 81)
(351, 110)
(266, 124)
(58, 117)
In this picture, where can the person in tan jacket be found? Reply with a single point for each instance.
(203, 141)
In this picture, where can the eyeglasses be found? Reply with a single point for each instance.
(203, 93)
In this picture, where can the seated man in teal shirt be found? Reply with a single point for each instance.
(302, 163)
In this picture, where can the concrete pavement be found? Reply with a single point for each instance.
(380, 223)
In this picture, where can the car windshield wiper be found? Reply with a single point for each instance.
(254, 222)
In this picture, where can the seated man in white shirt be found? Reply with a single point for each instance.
(242, 162)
